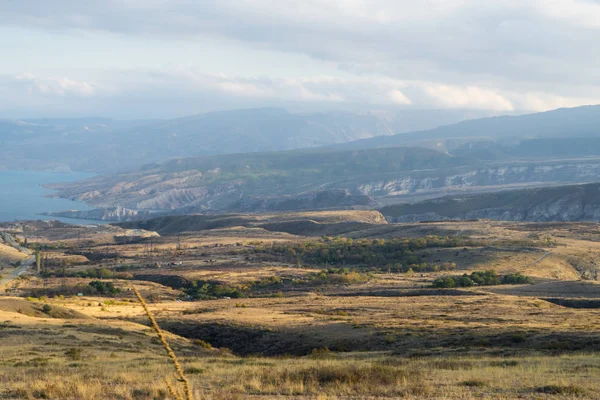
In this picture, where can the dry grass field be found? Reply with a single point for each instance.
(249, 321)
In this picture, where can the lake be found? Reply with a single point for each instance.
(22, 197)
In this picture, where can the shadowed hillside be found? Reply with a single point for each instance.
(563, 203)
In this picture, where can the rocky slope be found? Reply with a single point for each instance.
(255, 182)
(563, 203)
(307, 180)
(333, 177)
(484, 177)
(116, 214)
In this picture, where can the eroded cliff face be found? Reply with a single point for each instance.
(116, 214)
(213, 191)
(502, 175)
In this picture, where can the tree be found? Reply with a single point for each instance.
(38, 261)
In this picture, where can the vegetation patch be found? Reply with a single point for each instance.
(273, 285)
(480, 278)
(391, 255)
(474, 383)
(568, 390)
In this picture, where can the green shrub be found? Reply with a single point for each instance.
(103, 287)
(516, 279)
(444, 282)
(480, 278)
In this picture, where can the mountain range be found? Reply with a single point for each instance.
(489, 154)
(105, 145)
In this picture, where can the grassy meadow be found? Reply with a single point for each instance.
(256, 313)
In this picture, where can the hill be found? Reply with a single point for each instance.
(556, 147)
(293, 180)
(317, 179)
(306, 223)
(562, 203)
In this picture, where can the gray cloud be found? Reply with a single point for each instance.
(514, 54)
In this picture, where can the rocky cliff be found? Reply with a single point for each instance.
(518, 173)
(116, 214)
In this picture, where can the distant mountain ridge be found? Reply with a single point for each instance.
(564, 122)
(103, 145)
(327, 177)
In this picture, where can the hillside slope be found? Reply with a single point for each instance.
(294, 180)
(562, 203)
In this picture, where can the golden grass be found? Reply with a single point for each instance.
(9, 255)
(453, 341)
(339, 376)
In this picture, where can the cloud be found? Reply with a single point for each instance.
(514, 55)
(396, 96)
(467, 97)
(177, 92)
(56, 86)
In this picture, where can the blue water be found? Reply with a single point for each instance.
(22, 197)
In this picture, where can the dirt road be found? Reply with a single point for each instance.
(17, 272)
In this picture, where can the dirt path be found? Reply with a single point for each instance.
(540, 259)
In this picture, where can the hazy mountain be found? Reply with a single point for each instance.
(100, 144)
(58, 144)
(328, 176)
(317, 179)
(565, 122)
(299, 179)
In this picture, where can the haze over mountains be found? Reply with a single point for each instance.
(561, 123)
(101, 145)
(530, 150)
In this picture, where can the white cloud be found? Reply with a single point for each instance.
(545, 102)
(579, 12)
(467, 97)
(396, 96)
(58, 86)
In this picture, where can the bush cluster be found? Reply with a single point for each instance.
(104, 288)
(207, 290)
(480, 278)
(97, 273)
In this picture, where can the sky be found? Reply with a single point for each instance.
(170, 58)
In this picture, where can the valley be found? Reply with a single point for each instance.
(319, 200)
(324, 303)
